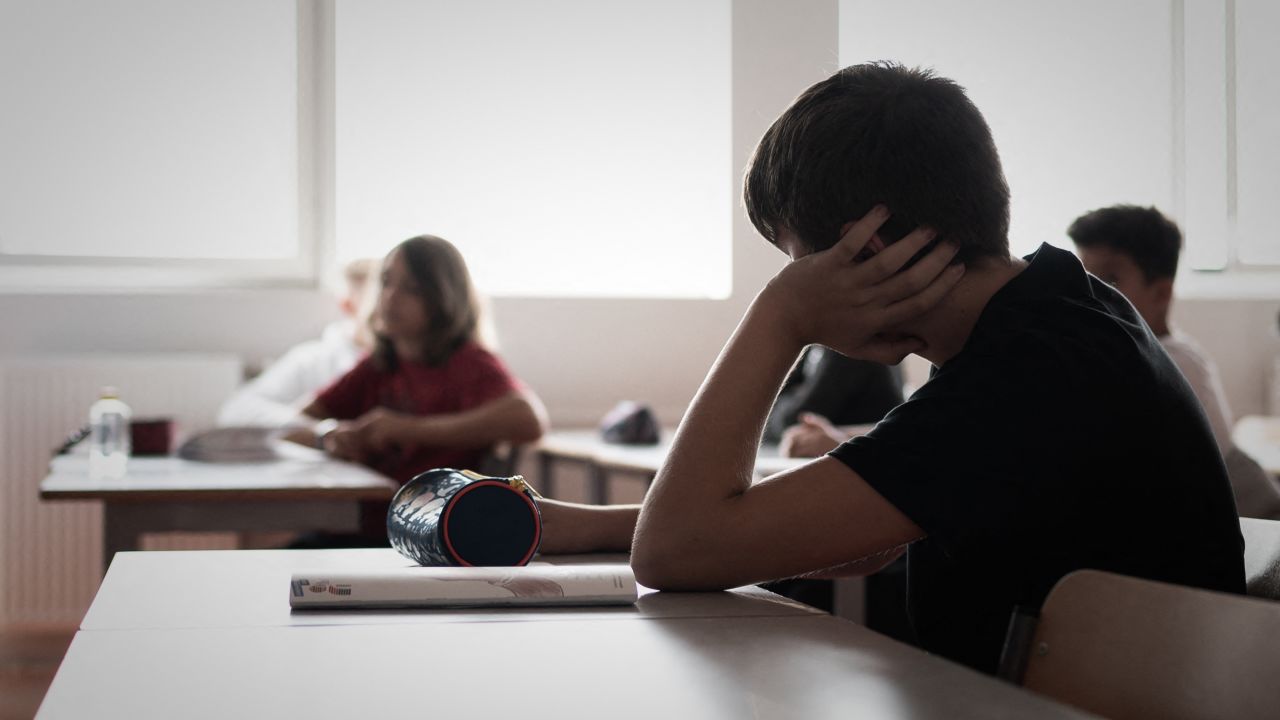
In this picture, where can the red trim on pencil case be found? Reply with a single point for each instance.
(537, 523)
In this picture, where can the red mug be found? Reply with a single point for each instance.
(151, 436)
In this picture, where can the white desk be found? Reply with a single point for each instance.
(1259, 437)
(715, 664)
(303, 491)
(602, 459)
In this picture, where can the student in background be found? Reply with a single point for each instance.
(429, 395)
(274, 397)
(827, 399)
(1054, 434)
(1135, 250)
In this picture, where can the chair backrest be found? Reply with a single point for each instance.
(1123, 647)
(1262, 557)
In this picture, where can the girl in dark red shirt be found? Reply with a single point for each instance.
(429, 395)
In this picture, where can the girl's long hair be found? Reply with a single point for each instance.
(452, 305)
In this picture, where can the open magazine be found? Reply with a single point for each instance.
(441, 587)
(233, 445)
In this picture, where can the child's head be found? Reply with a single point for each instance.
(358, 297)
(881, 133)
(1134, 249)
(425, 301)
(355, 275)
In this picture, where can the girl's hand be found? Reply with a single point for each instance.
(813, 436)
(854, 307)
(345, 443)
(381, 429)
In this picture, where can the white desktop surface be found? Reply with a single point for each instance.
(589, 446)
(772, 667)
(1259, 437)
(301, 470)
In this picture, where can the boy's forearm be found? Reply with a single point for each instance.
(712, 458)
(570, 528)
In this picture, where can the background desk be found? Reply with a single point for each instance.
(305, 491)
(776, 662)
(602, 459)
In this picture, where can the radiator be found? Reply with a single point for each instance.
(51, 552)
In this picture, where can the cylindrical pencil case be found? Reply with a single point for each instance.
(458, 517)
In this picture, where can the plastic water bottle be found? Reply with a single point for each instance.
(108, 436)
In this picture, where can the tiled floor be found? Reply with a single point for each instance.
(29, 657)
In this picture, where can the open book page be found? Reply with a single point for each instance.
(428, 587)
(233, 444)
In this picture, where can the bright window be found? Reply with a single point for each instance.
(148, 129)
(568, 147)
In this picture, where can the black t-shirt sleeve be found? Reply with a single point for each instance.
(954, 458)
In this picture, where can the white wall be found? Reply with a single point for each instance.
(1242, 338)
(584, 355)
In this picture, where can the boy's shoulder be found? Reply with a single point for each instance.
(1055, 308)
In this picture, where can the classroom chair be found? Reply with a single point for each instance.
(1123, 647)
(1261, 557)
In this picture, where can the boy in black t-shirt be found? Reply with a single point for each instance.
(1053, 435)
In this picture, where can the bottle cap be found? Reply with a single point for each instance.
(109, 393)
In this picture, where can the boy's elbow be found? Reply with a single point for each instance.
(668, 566)
(651, 571)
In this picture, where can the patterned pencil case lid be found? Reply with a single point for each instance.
(459, 517)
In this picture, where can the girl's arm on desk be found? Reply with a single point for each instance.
(315, 427)
(309, 426)
(517, 417)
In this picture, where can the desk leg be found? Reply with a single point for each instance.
(120, 533)
(850, 599)
(597, 484)
(546, 471)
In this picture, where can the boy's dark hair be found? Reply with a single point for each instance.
(881, 133)
(450, 299)
(1150, 239)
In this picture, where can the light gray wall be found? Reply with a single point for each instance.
(1241, 336)
(582, 356)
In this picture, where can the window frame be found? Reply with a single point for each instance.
(1205, 57)
(22, 273)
